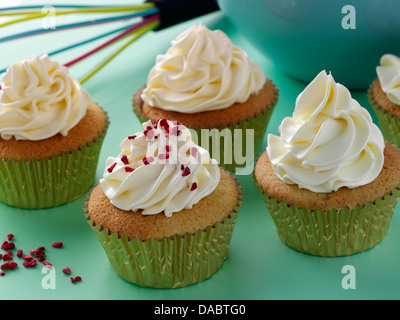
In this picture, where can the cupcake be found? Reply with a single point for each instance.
(164, 211)
(384, 97)
(51, 133)
(330, 181)
(213, 88)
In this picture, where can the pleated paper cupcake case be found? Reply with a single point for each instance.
(50, 182)
(172, 262)
(258, 123)
(336, 232)
(388, 123)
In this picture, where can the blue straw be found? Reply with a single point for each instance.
(80, 24)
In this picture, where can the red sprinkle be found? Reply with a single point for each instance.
(7, 245)
(194, 186)
(132, 137)
(186, 172)
(57, 245)
(10, 236)
(164, 156)
(39, 253)
(66, 270)
(148, 132)
(7, 257)
(111, 168)
(164, 124)
(5, 265)
(129, 169)
(148, 160)
(47, 264)
(19, 253)
(175, 131)
(29, 263)
(2, 274)
(182, 167)
(27, 258)
(155, 123)
(77, 278)
(168, 148)
(12, 265)
(124, 159)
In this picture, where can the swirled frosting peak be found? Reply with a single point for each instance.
(389, 77)
(330, 141)
(39, 99)
(159, 170)
(202, 71)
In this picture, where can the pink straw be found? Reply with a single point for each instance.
(127, 31)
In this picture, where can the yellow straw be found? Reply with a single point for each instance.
(34, 14)
(137, 34)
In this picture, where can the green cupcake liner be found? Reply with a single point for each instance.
(236, 134)
(171, 262)
(388, 123)
(50, 182)
(332, 233)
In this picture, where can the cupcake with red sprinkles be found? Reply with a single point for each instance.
(164, 210)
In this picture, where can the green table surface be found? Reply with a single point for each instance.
(259, 265)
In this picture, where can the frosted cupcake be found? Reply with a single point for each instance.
(329, 180)
(384, 97)
(51, 133)
(206, 82)
(164, 211)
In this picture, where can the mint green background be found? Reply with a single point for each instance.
(259, 264)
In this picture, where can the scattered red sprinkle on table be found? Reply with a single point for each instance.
(57, 245)
(66, 270)
(30, 260)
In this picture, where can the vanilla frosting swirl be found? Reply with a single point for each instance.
(389, 77)
(159, 169)
(330, 141)
(39, 99)
(202, 71)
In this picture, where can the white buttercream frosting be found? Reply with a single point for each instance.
(330, 141)
(39, 99)
(202, 71)
(159, 169)
(389, 77)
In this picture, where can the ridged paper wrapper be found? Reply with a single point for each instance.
(388, 123)
(335, 232)
(50, 182)
(210, 138)
(171, 262)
